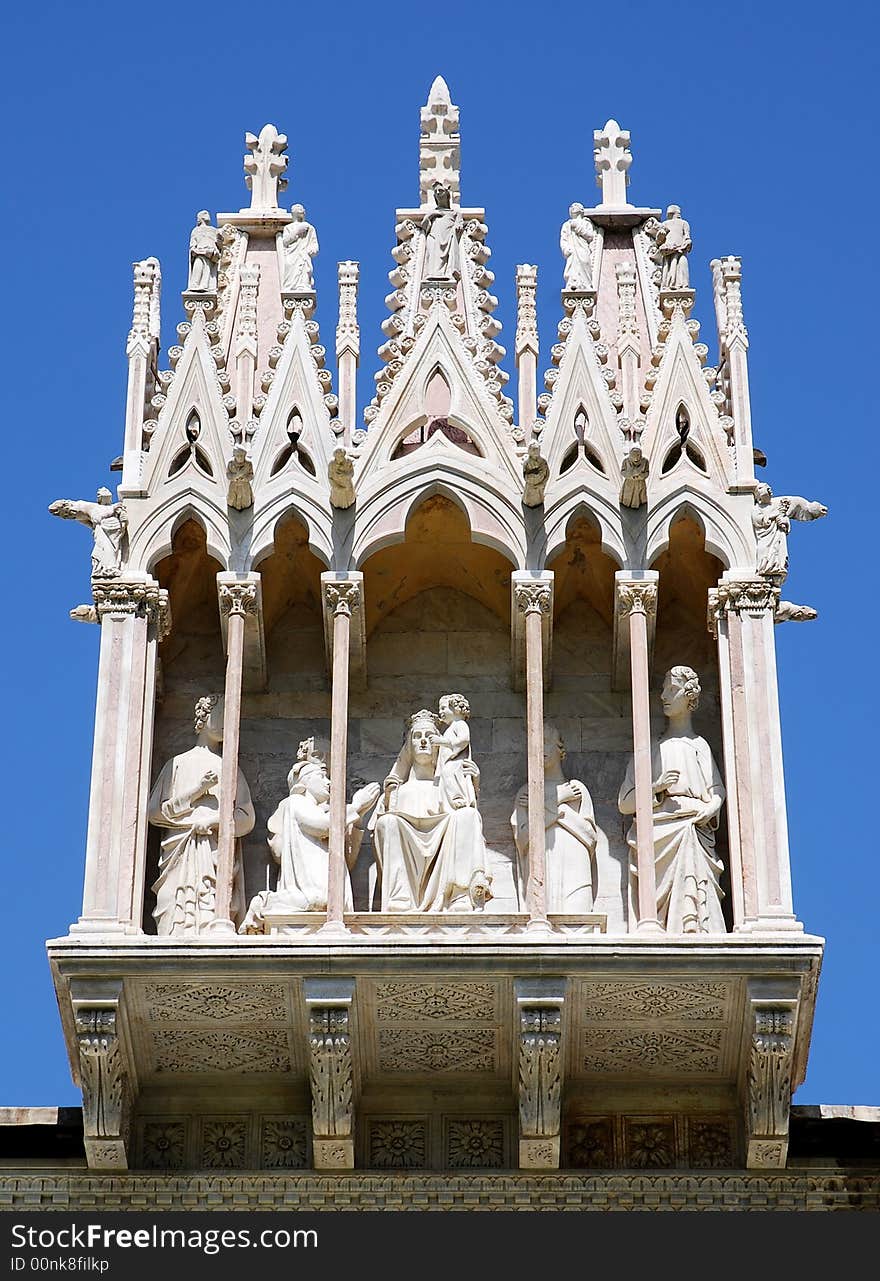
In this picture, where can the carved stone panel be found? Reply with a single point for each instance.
(398, 1144)
(418, 1050)
(216, 1003)
(636, 1052)
(283, 1143)
(436, 1002)
(222, 1143)
(477, 1144)
(243, 1051)
(163, 1145)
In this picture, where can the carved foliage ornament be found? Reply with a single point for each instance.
(238, 599)
(103, 1077)
(533, 598)
(751, 596)
(769, 1072)
(330, 1070)
(342, 598)
(540, 1076)
(637, 598)
(141, 599)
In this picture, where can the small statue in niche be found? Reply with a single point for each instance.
(431, 854)
(441, 227)
(771, 520)
(204, 255)
(239, 475)
(108, 522)
(185, 802)
(340, 473)
(634, 478)
(570, 835)
(576, 243)
(672, 237)
(536, 472)
(299, 245)
(299, 832)
(688, 796)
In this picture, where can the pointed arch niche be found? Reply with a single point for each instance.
(593, 719)
(437, 622)
(687, 571)
(191, 661)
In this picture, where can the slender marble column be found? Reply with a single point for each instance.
(237, 600)
(348, 346)
(635, 600)
(341, 598)
(140, 348)
(526, 344)
(129, 611)
(534, 600)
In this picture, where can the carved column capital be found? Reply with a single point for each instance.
(750, 596)
(143, 598)
(533, 598)
(342, 598)
(637, 598)
(238, 598)
(105, 1086)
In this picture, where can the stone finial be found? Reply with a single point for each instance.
(439, 144)
(526, 310)
(348, 334)
(613, 159)
(265, 166)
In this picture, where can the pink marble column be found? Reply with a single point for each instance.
(635, 600)
(341, 599)
(534, 600)
(131, 613)
(742, 614)
(237, 600)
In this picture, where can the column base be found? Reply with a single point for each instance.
(334, 929)
(333, 1153)
(770, 925)
(221, 926)
(650, 927)
(539, 1153)
(93, 925)
(539, 925)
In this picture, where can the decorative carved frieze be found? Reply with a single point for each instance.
(435, 1002)
(246, 1050)
(652, 1001)
(428, 1051)
(640, 1051)
(105, 1087)
(223, 1003)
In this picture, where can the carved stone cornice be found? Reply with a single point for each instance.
(105, 1087)
(134, 597)
(637, 598)
(238, 599)
(533, 598)
(750, 596)
(342, 598)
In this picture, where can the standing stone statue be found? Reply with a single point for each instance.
(340, 473)
(204, 255)
(576, 243)
(441, 226)
(570, 834)
(634, 478)
(239, 477)
(299, 833)
(771, 521)
(673, 240)
(536, 472)
(456, 771)
(688, 796)
(185, 802)
(299, 245)
(108, 522)
(430, 851)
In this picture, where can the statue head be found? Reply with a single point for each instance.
(763, 493)
(452, 704)
(681, 691)
(203, 218)
(422, 730)
(534, 451)
(673, 211)
(104, 496)
(309, 774)
(635, 454)
(208, 717)
(554, 745)
(297, 213)
(575, 210)
(239, 453)
(441, 195)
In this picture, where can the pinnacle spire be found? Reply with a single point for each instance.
(439, 144)
(613, 159)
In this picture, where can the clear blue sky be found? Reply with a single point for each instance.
(760, 120)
